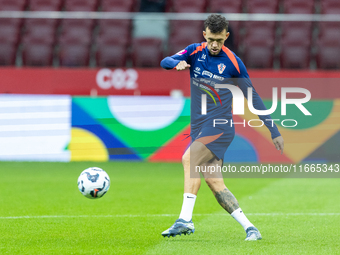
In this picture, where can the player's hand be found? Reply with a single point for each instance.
(279, 144)
(182, 66)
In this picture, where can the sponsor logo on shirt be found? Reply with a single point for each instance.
(207, 73)
(182, 52)
(218, 77)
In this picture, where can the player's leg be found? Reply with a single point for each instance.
(195, 155)
(228, 201)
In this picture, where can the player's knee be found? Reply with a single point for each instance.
(186, 159)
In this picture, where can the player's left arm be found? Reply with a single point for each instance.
(244, 83)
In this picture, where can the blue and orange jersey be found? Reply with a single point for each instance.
(206, 71)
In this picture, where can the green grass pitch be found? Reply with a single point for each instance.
(42, 212)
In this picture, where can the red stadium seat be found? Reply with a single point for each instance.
(74, 55)
(147, 52)
(111, 52)
(190, 32)
(259, 54)
(41, 23)
(176, 45)
(81, 5)
(295, 56)
(39, 54)
(328, 55)
(113, 23)
(45, 5)
(330, 7)
(7, 54)
(299, 6)
(76, 31)
(43, 30)
(263, 6)
(189, 5)
(77, 36)
(87, 23)
(9, 31)
(184, 33)
(328, 45)
(118, 5)
(264, 26)
(297, 32)
(12, 5)
(112, 28)
(260, 31)
(329, 30)
(47, 38)
(225, 6)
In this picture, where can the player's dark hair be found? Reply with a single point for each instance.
(216, 23)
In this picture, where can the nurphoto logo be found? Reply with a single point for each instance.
(238, 104)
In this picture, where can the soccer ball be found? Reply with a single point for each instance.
(93, 182)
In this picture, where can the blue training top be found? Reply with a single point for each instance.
(206, 71)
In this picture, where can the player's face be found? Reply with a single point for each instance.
(215, 41)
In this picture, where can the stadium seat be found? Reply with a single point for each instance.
(78, 36)
(45, 5)
(260, 30)
(48, 37)
(295, 56)
(328, 53)
(299, 6)
(330, 7)
(184, 33)
(76, 31)
(9, 31)
(188, 30)
(225, 6)
(259, 54)
(328, 45)
(111, 28)
(329, 31)
(82, 23)
(118, 5)
(175, 45)
(262, 6)
(189, 5)
(81, 5)
(37, 54)
(7, 54)
(74, 55)
(12, 5)
(297, 32)
(147, 52)
(41, 23)
(111, 52)
(40, 29)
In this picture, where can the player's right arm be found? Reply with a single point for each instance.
(181, 60)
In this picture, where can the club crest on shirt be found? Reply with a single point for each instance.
(221, 68)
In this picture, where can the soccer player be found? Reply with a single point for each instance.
(211, 63)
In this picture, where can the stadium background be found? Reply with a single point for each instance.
(122, 106)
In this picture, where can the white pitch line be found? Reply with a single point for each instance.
(161, 215)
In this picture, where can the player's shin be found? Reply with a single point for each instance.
(187, 206)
